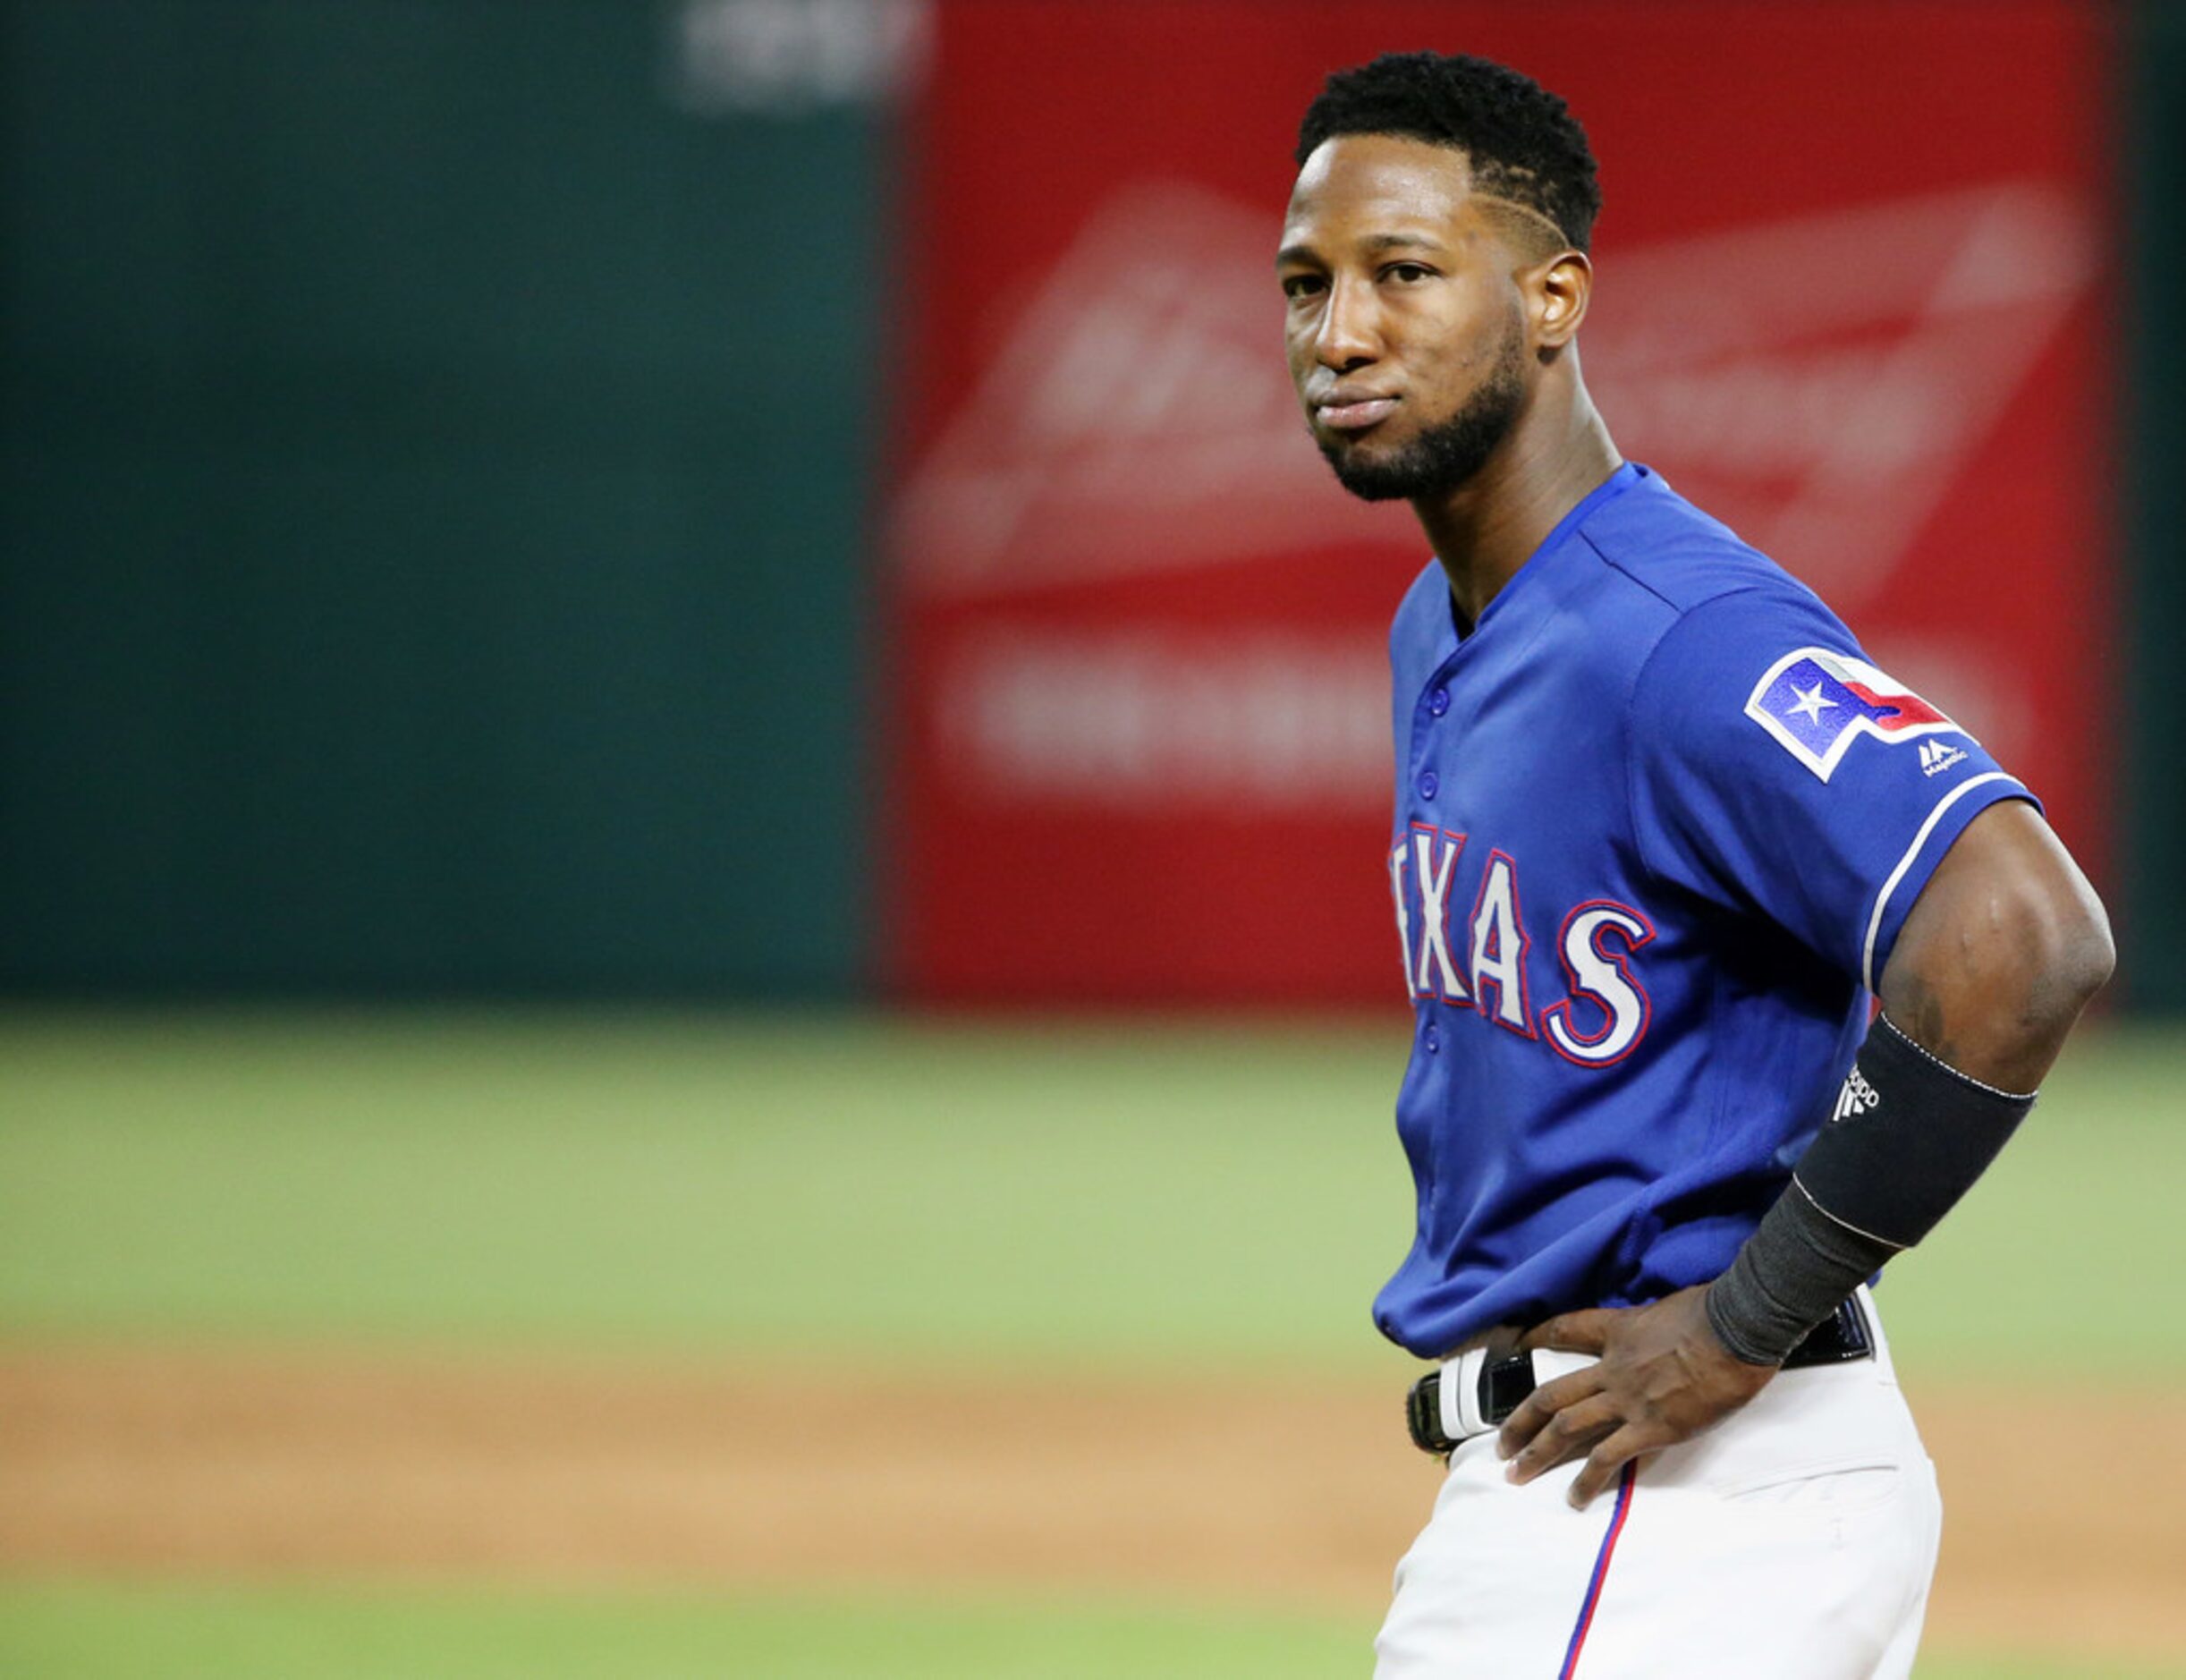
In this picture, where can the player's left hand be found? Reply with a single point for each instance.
(1662, 1378)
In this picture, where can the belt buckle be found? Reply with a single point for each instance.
(1423, 1416)
(1471, 1393)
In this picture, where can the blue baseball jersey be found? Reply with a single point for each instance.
(1658, 821)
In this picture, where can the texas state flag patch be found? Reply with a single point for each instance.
(1816, 703)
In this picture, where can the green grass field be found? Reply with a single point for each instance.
(1141, 1197)
(156, 1632)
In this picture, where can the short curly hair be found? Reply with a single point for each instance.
(1523, 141)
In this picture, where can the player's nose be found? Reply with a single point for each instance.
(1349, 333)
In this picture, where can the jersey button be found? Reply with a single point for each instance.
(1438, 702)
(1429, 785)
(1434, 1041)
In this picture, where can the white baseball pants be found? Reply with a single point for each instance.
(1795, 1541)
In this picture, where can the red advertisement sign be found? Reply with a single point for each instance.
(1848, 299)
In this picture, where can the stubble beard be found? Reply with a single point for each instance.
(1448, 453)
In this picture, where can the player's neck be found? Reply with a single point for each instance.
(1484, 531)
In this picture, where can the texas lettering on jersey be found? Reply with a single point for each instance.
(1477, 959)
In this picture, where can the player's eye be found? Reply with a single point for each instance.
(1302, 285)
(1408, 273)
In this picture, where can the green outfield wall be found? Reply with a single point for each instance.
(434, 447)
(2152, 918)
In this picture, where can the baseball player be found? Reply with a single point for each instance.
(1663, 834)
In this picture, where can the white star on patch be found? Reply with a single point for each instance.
(1810, 702)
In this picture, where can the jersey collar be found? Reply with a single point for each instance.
(1527, 578)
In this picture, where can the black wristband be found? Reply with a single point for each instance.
(1908, 1138)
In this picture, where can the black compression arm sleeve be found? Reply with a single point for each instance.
(1909, 1137)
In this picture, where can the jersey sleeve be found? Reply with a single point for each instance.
(1775, 770)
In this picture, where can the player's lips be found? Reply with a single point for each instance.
(1344, 412)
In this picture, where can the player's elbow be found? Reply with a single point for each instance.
(2067, 953)
(2087, 955)
(2029, 958)
(2035, 943)
(2002, 952)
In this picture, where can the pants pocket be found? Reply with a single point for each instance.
(1838, 1489)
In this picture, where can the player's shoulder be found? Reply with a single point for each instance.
(1659, 546)
(1688, 595)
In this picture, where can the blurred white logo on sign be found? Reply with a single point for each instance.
(782, 58)
(1137, 417)
(1139, 719)
(1816, 382)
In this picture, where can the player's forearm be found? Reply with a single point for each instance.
(1998, 958)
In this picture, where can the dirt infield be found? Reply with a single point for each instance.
(257, 1464)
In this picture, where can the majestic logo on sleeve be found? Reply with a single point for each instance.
(1816, 703)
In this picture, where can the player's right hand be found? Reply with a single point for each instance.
(1662, 1376)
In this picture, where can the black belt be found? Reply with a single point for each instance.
(1452, 1396)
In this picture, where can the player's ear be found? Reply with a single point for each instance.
(1556, 292)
